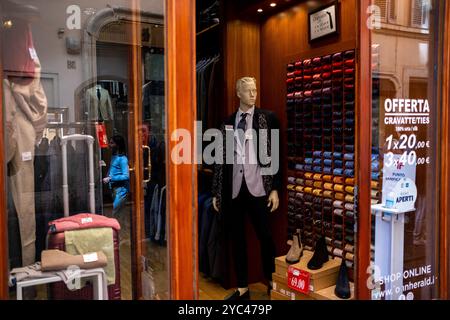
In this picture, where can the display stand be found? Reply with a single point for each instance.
(389, 244)
(322, 281)
(97, 275)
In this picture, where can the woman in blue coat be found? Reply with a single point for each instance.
(118, 176)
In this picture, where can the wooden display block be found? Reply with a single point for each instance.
(328, 293)
(280, 287)
(278, 296)
(320, 279)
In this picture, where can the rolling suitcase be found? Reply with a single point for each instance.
(56, 239)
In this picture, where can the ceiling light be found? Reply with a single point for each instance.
(7, 24)
(273, 4)
(260, 10)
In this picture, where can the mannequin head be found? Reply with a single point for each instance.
(246, 92)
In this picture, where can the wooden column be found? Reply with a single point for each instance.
(181, 179)
(363, 149)
(444, 224)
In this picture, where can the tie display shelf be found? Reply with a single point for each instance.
(321, 152)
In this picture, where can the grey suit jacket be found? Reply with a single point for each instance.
(94, 105)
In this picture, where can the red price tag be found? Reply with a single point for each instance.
(101, 135)
(298, 280)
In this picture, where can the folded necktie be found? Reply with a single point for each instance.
(349, 62)
(350, 164)
(328, 194)
(349, 198)
(318, 185)
(326, 59)
(317, 92)
(308, 71)
(317, 77)
(350, 148)
(337, 56)
(339, 196)
(339, 180)
(349, 173)
(328, 155)
(317, 84)
(349, 54)
(328, 186)
(349, 71)
(326, 75)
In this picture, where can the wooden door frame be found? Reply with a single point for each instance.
(444, 221)
(363, 149)
(181, 179)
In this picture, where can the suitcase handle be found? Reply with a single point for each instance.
(90, 141)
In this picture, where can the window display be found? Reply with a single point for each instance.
(66, 94)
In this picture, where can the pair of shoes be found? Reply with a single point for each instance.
(320, 255)
(296, 251)
(236, 296)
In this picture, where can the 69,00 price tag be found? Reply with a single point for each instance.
(298, 280)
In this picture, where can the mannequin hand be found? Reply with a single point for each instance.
(215, 204)
(106, 179)
(273, 201)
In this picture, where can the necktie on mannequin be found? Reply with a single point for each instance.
(99, 95)
(242, 125)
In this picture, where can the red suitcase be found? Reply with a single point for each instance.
(56, 240)
(59, 291)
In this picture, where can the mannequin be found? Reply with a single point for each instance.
(241, 188)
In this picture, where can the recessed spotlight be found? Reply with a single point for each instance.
(7, 24)
(273, 4)
(260, 10)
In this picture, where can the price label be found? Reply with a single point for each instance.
(298, 280)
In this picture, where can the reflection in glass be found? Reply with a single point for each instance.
(70, 68)
(404, 151)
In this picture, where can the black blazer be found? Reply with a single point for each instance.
(223, 173)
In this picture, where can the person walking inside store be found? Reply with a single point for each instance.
(118, 176)
(246, 187)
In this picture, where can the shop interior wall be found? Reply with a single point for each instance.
(262, 48)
